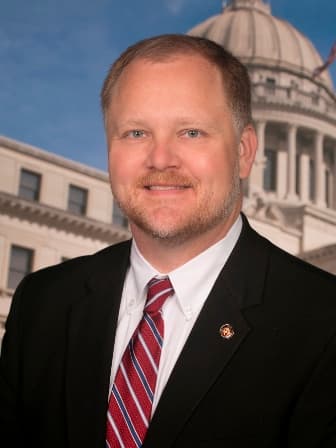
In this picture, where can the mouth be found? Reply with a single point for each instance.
(166, 187)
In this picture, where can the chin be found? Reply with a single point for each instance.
(169, 237)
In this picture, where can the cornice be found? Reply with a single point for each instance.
(41, 154)
(259, 65)
(294, 108)
(325, 111)
(270, 212)
(286, 216)
(60, 219)
(324, 214)
(325, 252)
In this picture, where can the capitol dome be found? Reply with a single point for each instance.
(290, 196)
(249, 30)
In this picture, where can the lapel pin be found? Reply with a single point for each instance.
(226, 331)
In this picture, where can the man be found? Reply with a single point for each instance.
(246, 332)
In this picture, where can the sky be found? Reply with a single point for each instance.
(54, 55)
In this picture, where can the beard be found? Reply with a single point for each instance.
(176, 228)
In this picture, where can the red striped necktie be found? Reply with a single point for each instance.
(131, 398)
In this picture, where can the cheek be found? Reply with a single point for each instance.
(116, 172)
(121, 168)
(127, 159)
(212, 171)
(201, 166)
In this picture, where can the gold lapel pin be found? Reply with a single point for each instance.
(226, 331)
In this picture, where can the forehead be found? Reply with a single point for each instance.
(179, 71)
(184, 86)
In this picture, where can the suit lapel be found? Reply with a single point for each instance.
(206, 353)
(204, 356)
(92, 326)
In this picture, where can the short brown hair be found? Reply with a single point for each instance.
(162, 48)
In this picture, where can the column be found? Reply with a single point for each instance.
(304, 178)
(291, 162)
(261, 141)
(319, 170)
(257, 175)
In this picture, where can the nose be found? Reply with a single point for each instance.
(162, 154)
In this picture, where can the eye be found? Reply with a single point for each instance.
(135, 133)
(193, 133)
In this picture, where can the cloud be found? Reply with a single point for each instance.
(175, 6)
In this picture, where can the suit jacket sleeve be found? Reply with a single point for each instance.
(10, 373)
(314, 421)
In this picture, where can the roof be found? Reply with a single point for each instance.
(249, 30)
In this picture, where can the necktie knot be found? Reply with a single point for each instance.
(159, 289)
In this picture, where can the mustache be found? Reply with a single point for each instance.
(165, 178)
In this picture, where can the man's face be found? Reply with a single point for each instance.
(175, 159)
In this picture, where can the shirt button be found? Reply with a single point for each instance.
(132, 302)
(188, 312)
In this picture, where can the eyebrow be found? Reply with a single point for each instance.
(128, 123)
(186, 121)
(180, 121)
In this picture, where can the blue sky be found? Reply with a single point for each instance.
(54, 55)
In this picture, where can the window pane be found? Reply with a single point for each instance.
(270, 85)
(20, 265)
(29, 185)
(118, 217)
(77, 200)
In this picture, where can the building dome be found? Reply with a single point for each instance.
(290, 195)
(248, 29)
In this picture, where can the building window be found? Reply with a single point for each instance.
(270, 85)
(29, 187)
(118, 217)
(270, 170)
(77, 200)
(21, 261)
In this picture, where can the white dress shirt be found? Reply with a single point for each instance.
(192, 283)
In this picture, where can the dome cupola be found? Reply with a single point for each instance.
(249, 30)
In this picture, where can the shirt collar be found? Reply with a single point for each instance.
(191, 290)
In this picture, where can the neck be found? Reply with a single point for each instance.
(165, 257)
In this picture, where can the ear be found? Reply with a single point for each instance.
(247, 151)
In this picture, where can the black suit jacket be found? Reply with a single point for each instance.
(273, 384)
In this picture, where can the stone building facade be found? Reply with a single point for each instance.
(51, 209)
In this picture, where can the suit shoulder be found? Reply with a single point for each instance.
(291, 265)
(291, 287)
(300, 284)
(286, 271)
(72, 274)
(78, 264)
